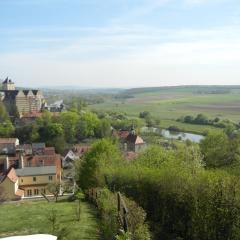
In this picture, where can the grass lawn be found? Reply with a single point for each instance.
(23, 218)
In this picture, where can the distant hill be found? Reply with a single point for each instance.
(184, 89)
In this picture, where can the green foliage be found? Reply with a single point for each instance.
(87, 125)
(53, 135)
(217, 149)
(136, 217)
(3, 113)
(108, 213)
(104, 129)
(69, 121)
(6, 127)
(124, 236)
(126, 124)
(182, 199)
(144, 114)
(103, 153)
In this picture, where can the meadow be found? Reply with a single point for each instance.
(169, 104)
(24, 218)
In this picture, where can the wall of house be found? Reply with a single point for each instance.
(9, 189)
(35, 188)
(43, 179)
(140, 147)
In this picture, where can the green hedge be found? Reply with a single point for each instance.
(180, 206)
(107, 206)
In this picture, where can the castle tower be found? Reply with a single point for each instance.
(8, 85)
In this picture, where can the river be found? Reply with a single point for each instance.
(196, 138)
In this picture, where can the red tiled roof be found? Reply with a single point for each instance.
(8, 140)
(49, 151)
(80, 149)
(135, 139)
(32, 115)
(123, 134)
(37, 115)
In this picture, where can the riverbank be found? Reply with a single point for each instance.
(175, 135)
(186, 127)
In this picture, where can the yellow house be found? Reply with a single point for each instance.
(9, 186)
(35, 180)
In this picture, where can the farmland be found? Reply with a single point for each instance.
(168, 104)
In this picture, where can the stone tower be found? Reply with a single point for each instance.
(8, 85)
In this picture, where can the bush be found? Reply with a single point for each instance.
(107, 205)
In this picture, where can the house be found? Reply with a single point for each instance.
(74, 154)
(8, 145)
(9, 184)
(26, 149)
(34, 180)
(33, 171)
(130, 141)
(38, 148)
(135, 143)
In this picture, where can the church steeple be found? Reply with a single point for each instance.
(133, 131)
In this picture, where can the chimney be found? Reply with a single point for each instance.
(6, 164)
(21, 161)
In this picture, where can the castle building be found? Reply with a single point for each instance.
(21, 101)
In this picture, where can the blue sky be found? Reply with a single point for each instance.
(120, 43)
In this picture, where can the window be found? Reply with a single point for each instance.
(29, 192)
(50, 178)
(22, 180)
(36, 192)
(34, 179)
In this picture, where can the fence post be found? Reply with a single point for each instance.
(122, 210)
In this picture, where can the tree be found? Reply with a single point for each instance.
(3, 113)
(188, 119)
(216, 149)
(201, 119)
(27, 133)
(54, 189)
(144, 114)
(103, 153)
(53, 135)
(6, 127)
(69, 122)
(78, 206)
(104, 129)
(87, 125)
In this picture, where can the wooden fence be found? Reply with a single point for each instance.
(122, 211)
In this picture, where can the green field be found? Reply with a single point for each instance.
(168, 104)
(32, 218)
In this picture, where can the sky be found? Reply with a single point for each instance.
(120, 43)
